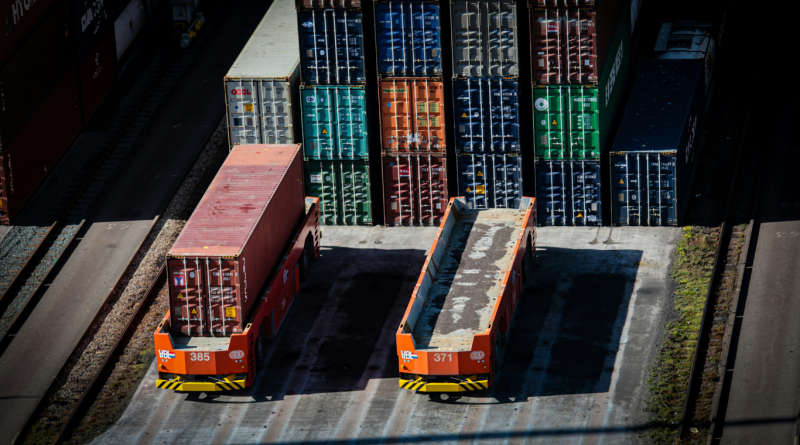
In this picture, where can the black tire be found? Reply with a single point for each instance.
(305, 259)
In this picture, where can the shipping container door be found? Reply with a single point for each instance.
(490, 181)
(568, 192)
(243, 112)
(408, 39)
(547, 45)
(356, 203)
(412, 115)
(331, 46)
(225, 309)
(563, 2)
(580, 41)
(486, 114)
(566, 121)
(626, 196)
(189, 307)
(398, 189)
(484, 38)
(318, 123)
(276, 110)
(431, 187)
(351, 116)
(322, 182)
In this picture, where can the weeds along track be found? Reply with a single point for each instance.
(102, 373)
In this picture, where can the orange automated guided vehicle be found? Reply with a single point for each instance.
(235, 270)
(452, 333)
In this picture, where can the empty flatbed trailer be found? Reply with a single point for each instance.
(450, 337)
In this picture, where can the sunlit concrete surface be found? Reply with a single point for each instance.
(574, 370)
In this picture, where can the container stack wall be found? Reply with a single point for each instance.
(580, 59)
(486, 132)
(339, 128)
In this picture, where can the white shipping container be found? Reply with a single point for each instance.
(261, 87)
(484, 38)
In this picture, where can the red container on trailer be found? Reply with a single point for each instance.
(414, 188)
(234, 238)
(328, 3)
(570, 45)
(38, 146)
(98, 74)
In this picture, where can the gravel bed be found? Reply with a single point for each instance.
(130, 290)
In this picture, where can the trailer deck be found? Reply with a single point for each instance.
(467, 285)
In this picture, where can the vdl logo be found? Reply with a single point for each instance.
(408, 355)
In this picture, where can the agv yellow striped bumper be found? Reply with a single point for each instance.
(178, 384)
(420, 385)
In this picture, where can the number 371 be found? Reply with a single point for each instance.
(200, 357)
(442, 357)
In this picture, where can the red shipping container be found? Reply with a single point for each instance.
(414, 188)
(18, 18)
(38, 146)
(234, 238)
(98, 74)
(328, 3)
(570, 45)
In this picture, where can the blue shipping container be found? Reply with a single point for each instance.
(334, 122)
(568, 193)
(331, 46)
(656, 148)
(490, 181)
(407, 36)
(486, 114)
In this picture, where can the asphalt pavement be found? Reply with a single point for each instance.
(763, 401)
(124, 217)
(574, 370)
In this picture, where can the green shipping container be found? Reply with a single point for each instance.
(572, 122)
(334, 122)
(343, 187)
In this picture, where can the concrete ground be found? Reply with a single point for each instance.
(574, 371)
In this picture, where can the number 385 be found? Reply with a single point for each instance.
(200, 357)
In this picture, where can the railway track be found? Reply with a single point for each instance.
(67, 203)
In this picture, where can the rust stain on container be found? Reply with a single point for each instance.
(412, 114)
(236, 235)
(414, 188)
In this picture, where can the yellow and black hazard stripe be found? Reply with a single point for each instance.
(178, 384)
(420, 385)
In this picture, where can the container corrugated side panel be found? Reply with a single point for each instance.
(486, 114)
(490, 181)
(412, 114)
(19, 19)
(566, 122)
(33, 153)
(334, 122)
(328, 3)
(36, 67)
(272, 51)
(568, 193)
(92, 21)
(484, 38)
(414, 188)
(98, 75)
(331, 46)
(245, 220)
(408, 39)
(344, 191)
(261, 111)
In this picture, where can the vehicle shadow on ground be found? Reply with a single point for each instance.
(340, 332)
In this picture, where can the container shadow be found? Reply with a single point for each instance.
(340, 333)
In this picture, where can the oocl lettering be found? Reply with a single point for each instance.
(612, 78)
(241, 92)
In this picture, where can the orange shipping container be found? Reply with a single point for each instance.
(412, 114)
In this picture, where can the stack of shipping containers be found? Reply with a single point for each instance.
(412, 111)
(485, 102)
(580, 57)
(334, 109)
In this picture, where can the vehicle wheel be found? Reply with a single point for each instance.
(305, 259)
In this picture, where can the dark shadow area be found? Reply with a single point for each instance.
(564, 338)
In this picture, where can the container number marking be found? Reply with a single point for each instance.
(200, 356)
(442, 357)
